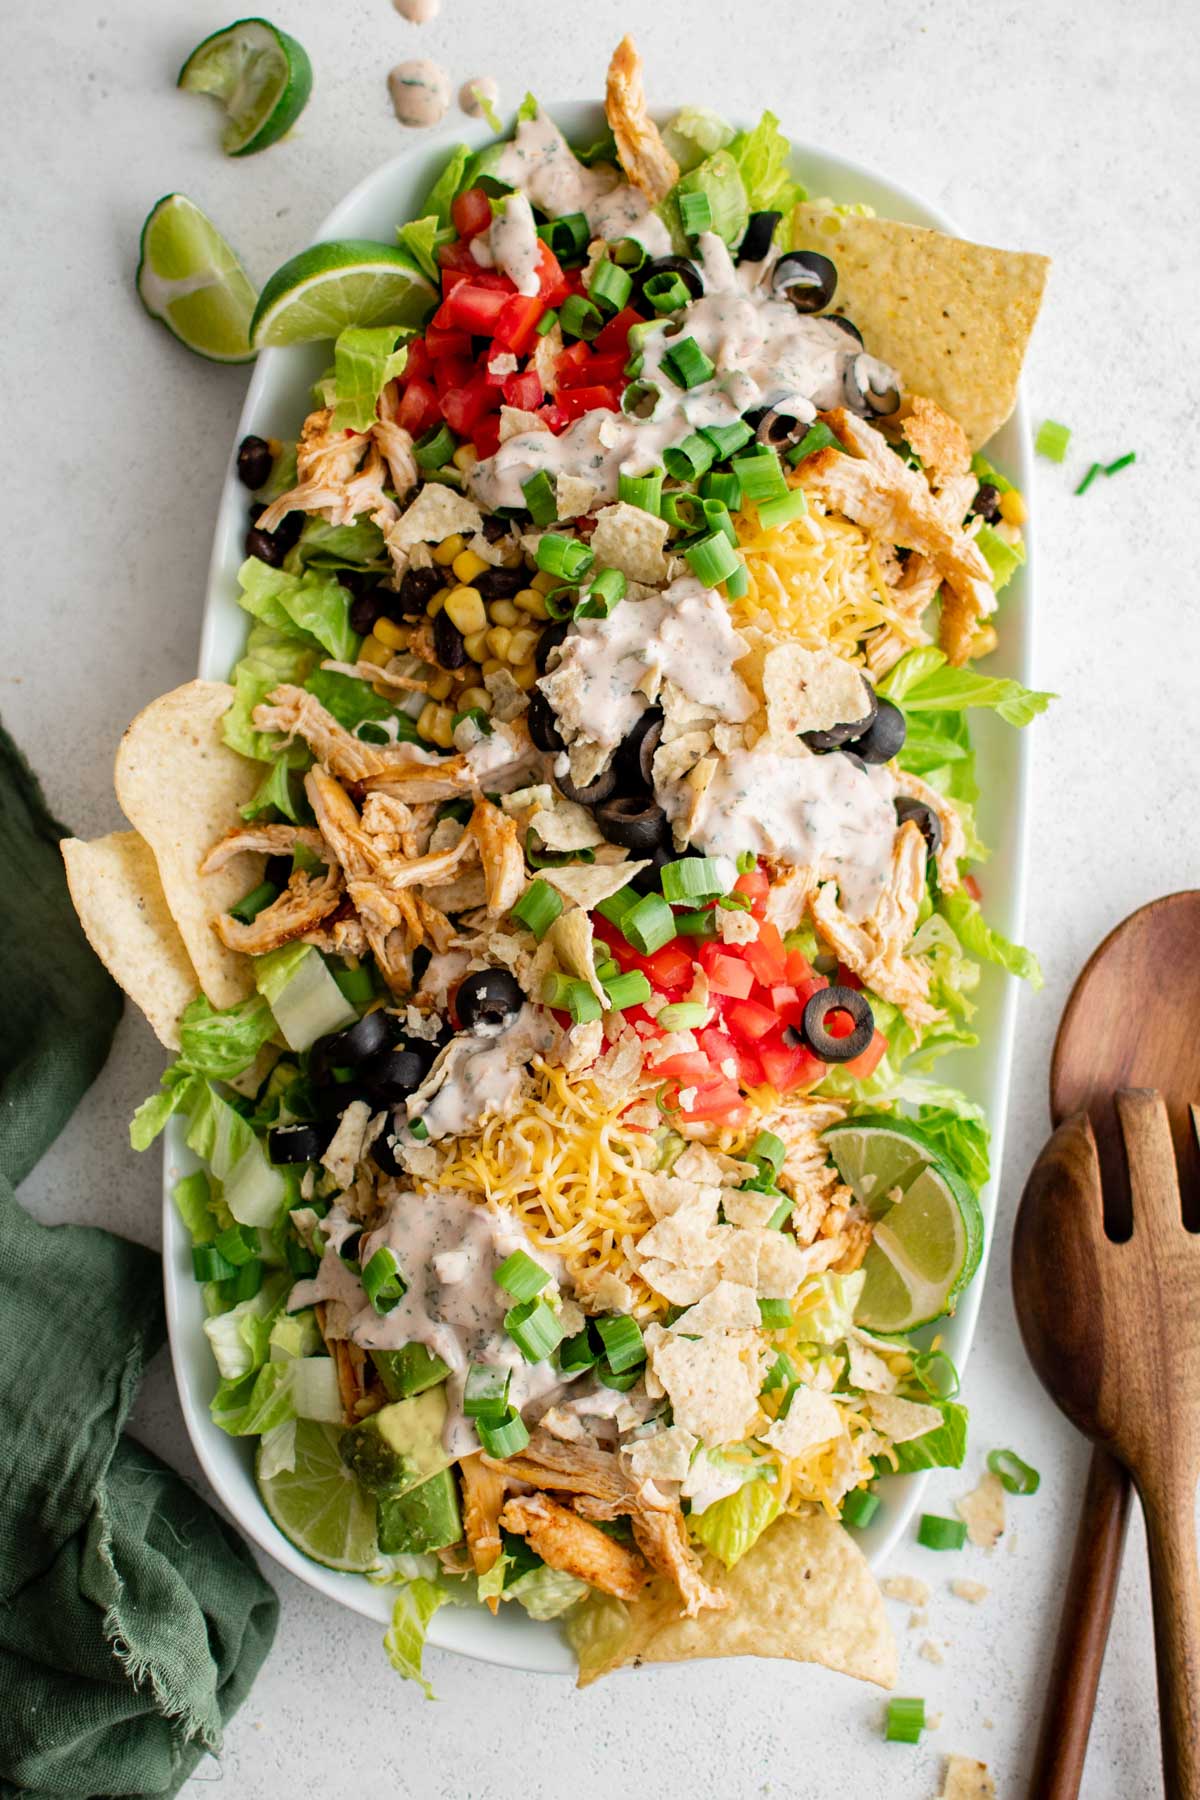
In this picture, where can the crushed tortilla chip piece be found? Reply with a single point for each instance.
(983, 1511)
(119, 898)
(966, 1779)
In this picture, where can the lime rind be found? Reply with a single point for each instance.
(260, 75)
(353, 281)
(190, 280)
(319, 1506)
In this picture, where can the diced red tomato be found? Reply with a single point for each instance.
(452, 372)
(717, 1046)
(685, 1066)
(719, 1101)
(419, 410)
(727, 973)
(749, 1065)
(838, 1024)
(767, 956)
(866, 1064)
(516, 324)
(577, 401)
(456, 258)
(417, 361)
(486, 435)
(847, 978)
(556, 419)
(790, 1000)
(553, 285)
(571, 364)
(524, 390)
(788, 1067)
(473, 307)
(615, 335)
(748, 1020)
(799, 969)
(669, 968)
(471, 212)
(439, 343)
(463, 407)
(756, 884)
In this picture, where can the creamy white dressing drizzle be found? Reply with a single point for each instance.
(477, 1075)
(513, 245)
(418, 12)
(420, 92)
(540, 162)
(475, 92)
(684, 634)
(820, 812)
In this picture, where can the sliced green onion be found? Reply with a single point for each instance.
(434, 449)
(624, 1346)
(689, 460)
(547, 322)
(694, 878)
(538, 907)
(357, 985)
(905, 1721)
(747, 862)
(580, 318)
(209, 1265)
(723, 485)
(641, 333)
(687, 364)
(774, 1313)
(1085, 484)
(936, 1373)
(610, 285)
(560, 604)
(299, 1259)
(696, 924)
(761, 476)
(477, 717)
(695, 212)
(568, 237)
(782, 1214)
(541, 498)
(684, 1015)
(485, 1395)
(503, 1440)
(576, 1353)
(630, 989)
(384, 1285)
(628, 252)
(789, 506)
(617, 905)
(640, 399)
(607, 968)
(621, 1382)
(667, 293)
(644, 491)
(419, 1129)
(712, 559)
(251, 904)
(1052, 440)
(737, 583)
(817, 437)
(679, 509)
(649, 924)
(563, 556)
(520, 1276)
(937, 1533)
(1016, 1477)
(534, 1327)
(582, 1003)
(1122, 462)
(782, 1373)
(767, 1148)
(734, 903)
(606, 590)
(716, 517)
(859, 1507)
(726, 439)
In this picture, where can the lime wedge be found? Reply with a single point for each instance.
(876, 1154)
(190, 279)
(261, 76)
(925, 1249)
(329, 286)
(319, 1506)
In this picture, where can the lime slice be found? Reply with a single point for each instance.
(329, 286)
(319, 1506)
(925, 1249)
(876, 1154)
(261, 76)
(190, 279)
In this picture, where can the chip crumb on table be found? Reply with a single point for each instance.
(966, 1779)
(982, 1510)
(974, 1591)
(909, 1588)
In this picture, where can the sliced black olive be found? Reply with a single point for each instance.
(634, 758)
(924, 818)
(543, 725)
(297, 1143)
(649, 880)
(417, 588)
(448, 643)
(364, 610)
(837, 735)
(884, 736)
(870, 390)
(501, 584)
(488, 1000)
(389, 1078)
(254, 462)
(806, 278)
(382, 1154)
(814, 1024)
(986, 504)
(777, 428)
(756, 239)
(638, 824)
(602, 788)
(347, 1049)
(846, 325)
(687, 272)
(549, 640)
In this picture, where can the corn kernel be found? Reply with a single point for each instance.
(468, 675)
(525, 674)
(531, 602)
(396, 637)
(1012, 507)
(984, 640)
(475, 696)
(465, 604)
(544, 583)
(493, 666)
(465, 457)
(498, 639)
(425, 719)
(449, 548)
(476, 643)
(520, 646)
(440, 685)
(374, 652)
(467, 565)
(436, 604)
(442, 728)
(503, 612)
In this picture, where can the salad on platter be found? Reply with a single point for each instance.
(559, 914)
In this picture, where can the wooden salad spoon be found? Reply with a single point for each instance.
(1106, 1280)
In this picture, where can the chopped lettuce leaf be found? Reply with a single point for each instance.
(453, 178)
(325, 546)
(222, 1044)
(415, 1605)
(239, 1338)
(1002, 558)
(734, 1525)
(717, 177)
(601, 149)
(270, 659)
(353, 702)
(942, 1448)
(193, 1197)
(314, 607)
(365, 359)
(295, 1334)
(254, 1192)
(763, 158)
(421, 237)
(958, 1129)
(274, 793)
(596, 1630)
(177, 1090)
(980, 939)
(267, 1404)
(823, 1310)
(528, 109)
(694, 134)
(278, 1450)
(923, 682)
(547, 1593)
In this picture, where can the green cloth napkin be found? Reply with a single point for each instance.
(132, 1619)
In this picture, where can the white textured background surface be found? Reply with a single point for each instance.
(1045, 125)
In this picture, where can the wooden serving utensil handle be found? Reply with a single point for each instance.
(1175, 1588)
(1091, 1589)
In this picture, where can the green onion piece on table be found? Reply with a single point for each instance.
(1085, 484)
(1052, 440)
(905, 1721)
(1122, 462)
(936, 1533)
(1016, 1477)
(859, 1508)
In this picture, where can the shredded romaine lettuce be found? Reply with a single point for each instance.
(222, 1044)
(734, 1525)
(924, 682)
(313, 607)
(415, 1604)
(694, 134)
(452, 180)
(365, 359)
(823, 1310)
(981, 939)
(270, 659)
(421, 237)
(240, 1338)
(942, 1448)
(763, 159)
(275, 793)
(546, 1593)
(718, 178)
(597, 1629)
(353, 702)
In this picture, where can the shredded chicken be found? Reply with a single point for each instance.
(939, 441)
(875, 948)
(545, 1462)
(643, 155)
(565, 1541)
(297, 713)
(807, 1174)
(341, 474)
(663, 1540)
(303, 905)
(501, 854)
(483, 1491)
(379, 675)
(268, 840)
(953, 846)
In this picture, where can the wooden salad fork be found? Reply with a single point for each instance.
(1106, 1280)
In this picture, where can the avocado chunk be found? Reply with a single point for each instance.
(399, 1447)
(426, 1518)
(409, 1370)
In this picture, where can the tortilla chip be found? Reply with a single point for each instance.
(437, 512)
(119, 898)
(587, 884)
(952, 317)
(803, 1592)
(573, 943)
(181, 786)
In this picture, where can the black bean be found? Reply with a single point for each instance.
(254, 462)
(986, 504)
(416, 591)
(266, 546)
(364, 610)
(502, 584)
(494, 528)
(448, 642)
